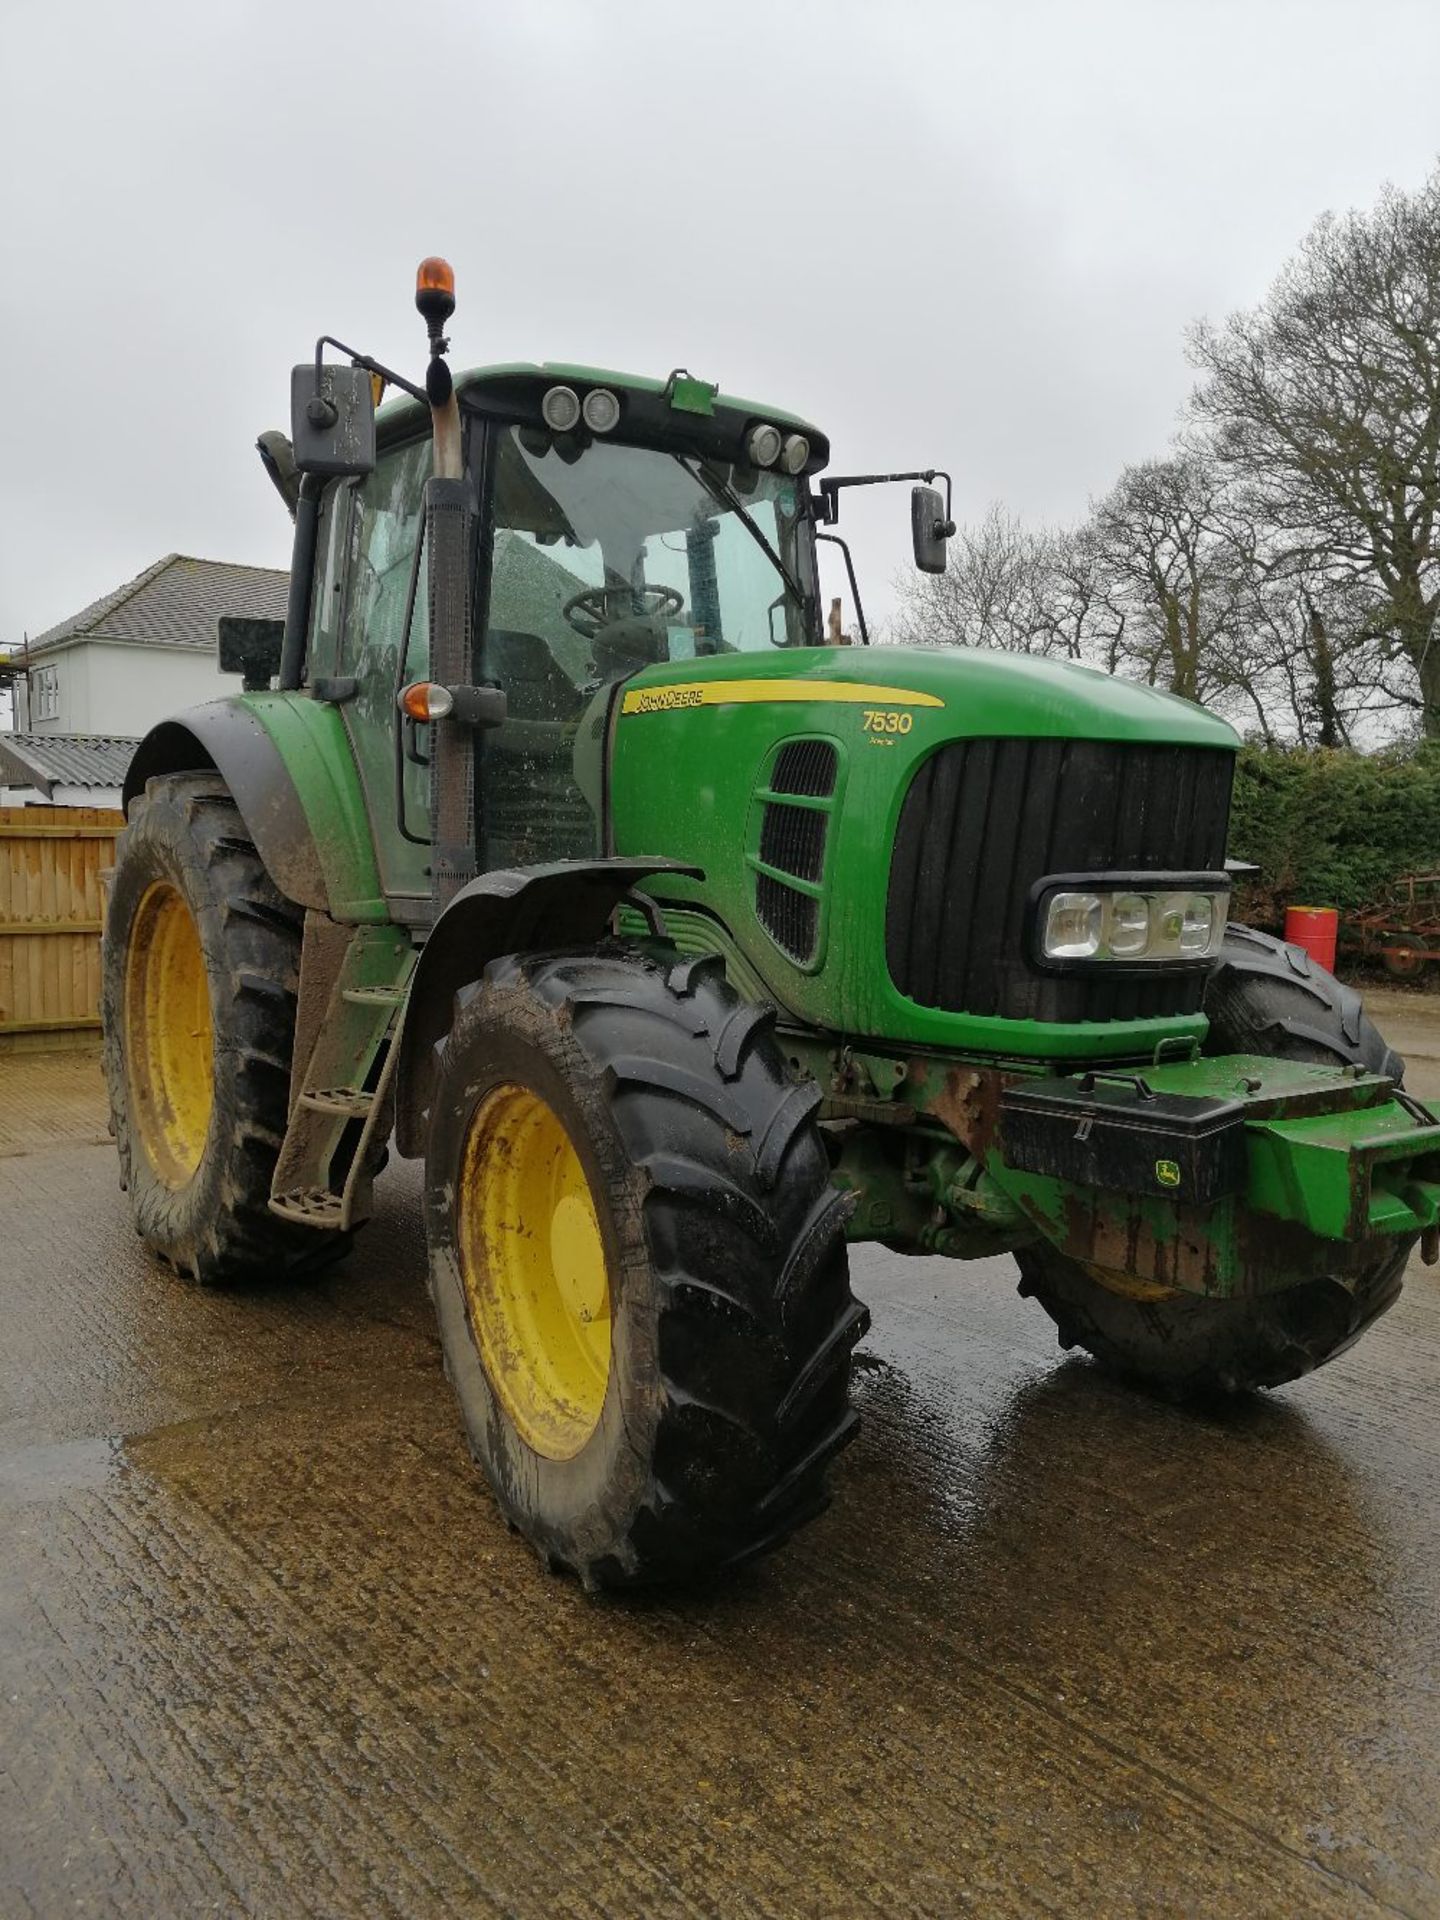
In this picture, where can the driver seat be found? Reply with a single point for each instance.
(624, 646)
(536, 686)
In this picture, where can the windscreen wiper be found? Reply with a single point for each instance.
(725, 495)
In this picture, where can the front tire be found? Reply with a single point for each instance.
(638, 1265)
(1265, 997)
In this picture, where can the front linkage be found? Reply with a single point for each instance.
(1262, 1197)
(1215, 1176)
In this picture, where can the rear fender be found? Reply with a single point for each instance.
(567, 903)
(286, 760)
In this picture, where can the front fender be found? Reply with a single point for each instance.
(567, 903)
(287, 761)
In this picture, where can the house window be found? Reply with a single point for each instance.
(47, 693)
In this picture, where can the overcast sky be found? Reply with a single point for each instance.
(966, 235)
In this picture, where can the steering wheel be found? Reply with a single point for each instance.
(590, 611)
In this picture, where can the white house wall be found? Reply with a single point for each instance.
(71, 670)
(127, 690)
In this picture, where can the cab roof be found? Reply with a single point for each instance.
(680, 407)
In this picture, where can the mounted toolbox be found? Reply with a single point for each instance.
(1116, 1131)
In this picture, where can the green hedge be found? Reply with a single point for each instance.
(1331, 829)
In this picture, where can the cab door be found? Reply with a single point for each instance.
(384, 643)
(538, 777)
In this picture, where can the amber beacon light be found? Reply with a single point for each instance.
(435, 289)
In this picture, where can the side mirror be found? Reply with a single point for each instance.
(251, 647)
(332, 420)
(929, 528)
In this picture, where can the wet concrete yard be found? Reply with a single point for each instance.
(266, 1648)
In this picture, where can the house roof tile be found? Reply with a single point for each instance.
(48, 760)
(175, 603)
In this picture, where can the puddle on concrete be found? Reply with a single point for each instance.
(1054, 1648)
(68, 1466)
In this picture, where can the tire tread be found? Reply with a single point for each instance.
(756, 1321)
(194, 819)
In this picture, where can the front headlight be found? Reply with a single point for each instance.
(1073, 926)
(1131, 923)
(1198, 922)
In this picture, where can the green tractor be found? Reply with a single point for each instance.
(686, 949)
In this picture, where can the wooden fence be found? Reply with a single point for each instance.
(51, 906)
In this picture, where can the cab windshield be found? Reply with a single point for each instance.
(600, 563)
(620, 556)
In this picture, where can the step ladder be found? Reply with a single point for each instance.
(353, 987)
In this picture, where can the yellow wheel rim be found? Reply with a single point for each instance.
(533, 1263)
(168, 1041)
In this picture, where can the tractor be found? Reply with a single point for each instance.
(551, 841)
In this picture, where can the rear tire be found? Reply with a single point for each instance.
(1267, 997)
(702, 1437)
(198, 1172)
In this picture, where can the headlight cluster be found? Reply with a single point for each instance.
(1170, 924)
(765, 445)
(562, 409)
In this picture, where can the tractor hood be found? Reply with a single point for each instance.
(962, 691)
(870, 823)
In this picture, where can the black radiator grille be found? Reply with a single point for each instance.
(985, 819)
(790, 918)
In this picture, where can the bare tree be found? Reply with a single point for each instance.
(1283, 564)
(993, 593)
(1150, 585)
(1084, 617)
(1170, 579)
(1330, 677)
(1323, 406)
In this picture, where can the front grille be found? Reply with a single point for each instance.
(985, 819)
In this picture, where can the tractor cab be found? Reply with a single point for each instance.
(602, 557)
(619, 523)
(612, 523)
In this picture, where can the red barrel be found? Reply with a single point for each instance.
(1314, 929)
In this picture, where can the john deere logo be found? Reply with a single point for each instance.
(1167, 1173)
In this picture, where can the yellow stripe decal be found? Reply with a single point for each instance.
(731, 693)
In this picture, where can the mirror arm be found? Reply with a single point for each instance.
(390, 378)
(827, 502)
(302, 581)
(835, 541)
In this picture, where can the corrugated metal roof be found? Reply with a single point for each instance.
(47, 760)
(175, 603)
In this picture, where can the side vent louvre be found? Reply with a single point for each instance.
(790, 918)
(793, 839)
(790, 860)
(805, 767)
